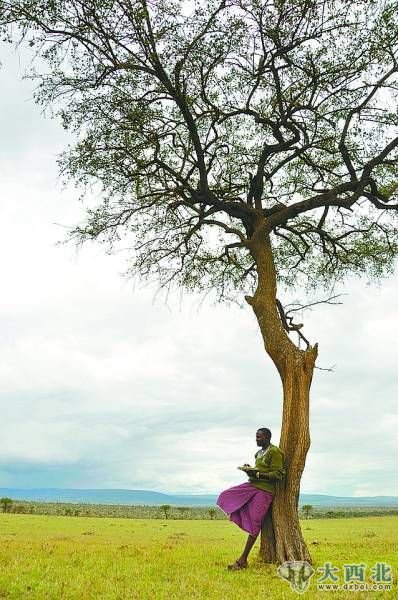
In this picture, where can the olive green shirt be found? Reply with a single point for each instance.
(271, 465)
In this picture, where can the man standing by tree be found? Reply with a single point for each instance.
(248, 503)
(242, 148)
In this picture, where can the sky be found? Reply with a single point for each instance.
(105, 384)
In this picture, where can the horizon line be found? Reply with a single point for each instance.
(182, 493)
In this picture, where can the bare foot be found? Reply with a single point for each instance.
(237, 566)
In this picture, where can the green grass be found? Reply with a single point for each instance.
(62, 558)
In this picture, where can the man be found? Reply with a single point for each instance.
(248, 503)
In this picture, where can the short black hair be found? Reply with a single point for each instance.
(265, 431)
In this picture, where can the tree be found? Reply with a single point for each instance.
(212, 512)
(307, 509)
(183, 509)
(165, 508)
(6, 503)
(246, 147)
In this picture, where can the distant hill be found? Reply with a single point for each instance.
(150, 498)
(107, 496)
(348, 501)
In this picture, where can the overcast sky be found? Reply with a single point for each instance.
(103, 386)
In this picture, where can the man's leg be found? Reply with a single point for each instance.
(241, 562)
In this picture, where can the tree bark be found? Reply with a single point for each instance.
(281, 537)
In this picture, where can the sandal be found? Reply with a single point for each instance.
(236, 566)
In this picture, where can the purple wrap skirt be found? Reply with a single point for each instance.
(246, 506)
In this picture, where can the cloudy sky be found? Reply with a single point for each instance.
(104, 385)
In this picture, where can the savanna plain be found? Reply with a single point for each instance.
(66, 558)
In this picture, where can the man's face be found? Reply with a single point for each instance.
(261, 438)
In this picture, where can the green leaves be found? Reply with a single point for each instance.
(390, 189)
(201, 122)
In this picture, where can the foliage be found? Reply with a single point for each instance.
(112, 510)
(182, 509)
(307, 510)
(165, 508)
(6, 503)
(186, 513)
(206, 124)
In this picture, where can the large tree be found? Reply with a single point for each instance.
(240, 146)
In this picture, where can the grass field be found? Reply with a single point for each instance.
(46, 557)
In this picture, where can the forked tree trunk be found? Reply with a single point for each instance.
(281, 537)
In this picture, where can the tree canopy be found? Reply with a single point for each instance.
(210, 125)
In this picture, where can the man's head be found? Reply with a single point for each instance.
(263, 436)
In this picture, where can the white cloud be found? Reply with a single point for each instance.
(102, 387)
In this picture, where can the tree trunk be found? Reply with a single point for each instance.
(281, 537)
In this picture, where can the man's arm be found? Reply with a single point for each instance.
(276, 470)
